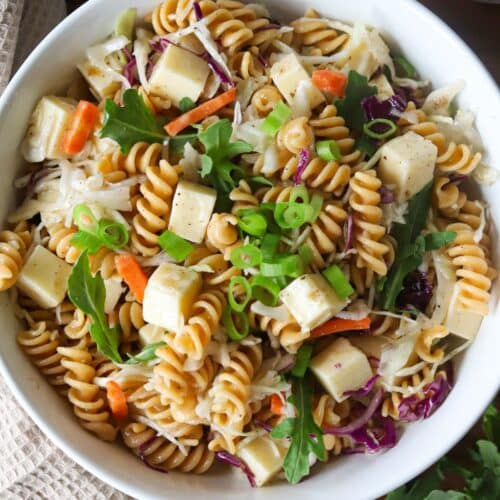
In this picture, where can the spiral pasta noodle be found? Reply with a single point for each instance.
(426, 340)
(130, 319)
(296, 135)
(458, 159)
(60, 242)
(13, 246)
(265, 99)
(447, 197)
(245, 64)
(243, 198)
(172, 15)
(222, 233)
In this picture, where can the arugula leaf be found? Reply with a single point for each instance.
(349, 107)
(88, 294)
(418, 488)
(366, 145)
(185, 104)
(147, 354)
(446, 495)
(302, 360)
(83, 240)
(491, 424)
(176, 144)
(437, 240)
(306, 436)
(131, 123)
(216, 164)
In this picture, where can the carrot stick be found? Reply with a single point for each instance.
(117, 400)
(276, 405)
(131, 272)
(337, 325)
(330, 81)
(80, 127)
(199, 113)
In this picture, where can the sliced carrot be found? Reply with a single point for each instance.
(276, 405)
(200, 112)
(117, 400)
(80, 127)
(337, 325)
(131, 272)
(332, 82)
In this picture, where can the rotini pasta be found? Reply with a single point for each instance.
(13, 247)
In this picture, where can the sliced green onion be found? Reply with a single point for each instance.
(125, 24)
(178, 248)
(86, 241)
(367, 128)
(316, 206)
(84, 219)
(291, 215)
(328, 150)
(338, 281)
(246, 256)
(265, 289)
(269, 246)
(239, 281)
(409, 70)
(305, 254)
(290, 265)
(112, 234)
(254, 224)
(299, 193)
(276, 119)
(185, 104)
(236, 330)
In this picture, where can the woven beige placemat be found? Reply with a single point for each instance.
(31, 467)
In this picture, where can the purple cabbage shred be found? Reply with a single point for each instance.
(366, 389)
(376, 438)
(197, 11)
(230, 459)
(416, 293)
(390, 108)
(303, 162)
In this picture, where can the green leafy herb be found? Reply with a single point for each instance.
(178, 248)
(491, 424)
(217, 165)
(131, 123)
(302, 360)
(176, 144)
(411, 247)
(185, 104)
(88, 294)
(86, 241)
(407, 69)
(350, 106)
(306, 436)
(366, 145)
(147, 354)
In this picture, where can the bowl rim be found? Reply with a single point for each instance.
(80, 457)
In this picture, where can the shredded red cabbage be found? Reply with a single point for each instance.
(263, 60)
(457, 179)
(362, 420)
(286, 363)
(416, 293)
(374, 362)
(390, 108)
(130, 71)
(366, 389)
(386, 195)
(160, 44)
(412, 408)
(149, 68)
(216, 69)
(303, 162)
(264, 425)
(230, 459)
(348, 230)
(376, 438)
(197, 11)
(127, 53)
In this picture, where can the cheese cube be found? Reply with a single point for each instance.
(407, 162)
(151, 334)
(177, 74)
(102, 85)
(169, 295)
(192, 208)
(465, 324)
(341, 367)
(264, 458)
(311, 300)
(287, 73)
(384, 88)
(44, 278)
(48, 124)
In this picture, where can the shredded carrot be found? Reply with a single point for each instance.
(80, 127)
(332, 82)
(200, 112)
(117, 400)
(337, 325)
(276, 405)
(131, 272)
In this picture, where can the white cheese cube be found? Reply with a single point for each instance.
(177, 74)
(192, 208)
(264, 458)
(465, 324)
(408, 163)
(102, 84)
(114, 290)
(384, 88)
(341, 367)
(169, 295)
(287, 73)
(151, 334)
(48, 124)
(44, 278)
(311, 300)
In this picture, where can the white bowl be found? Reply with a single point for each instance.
(439, 55)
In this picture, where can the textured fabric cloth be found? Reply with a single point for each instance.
(31, 467)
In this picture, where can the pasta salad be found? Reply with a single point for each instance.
(248, 241)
